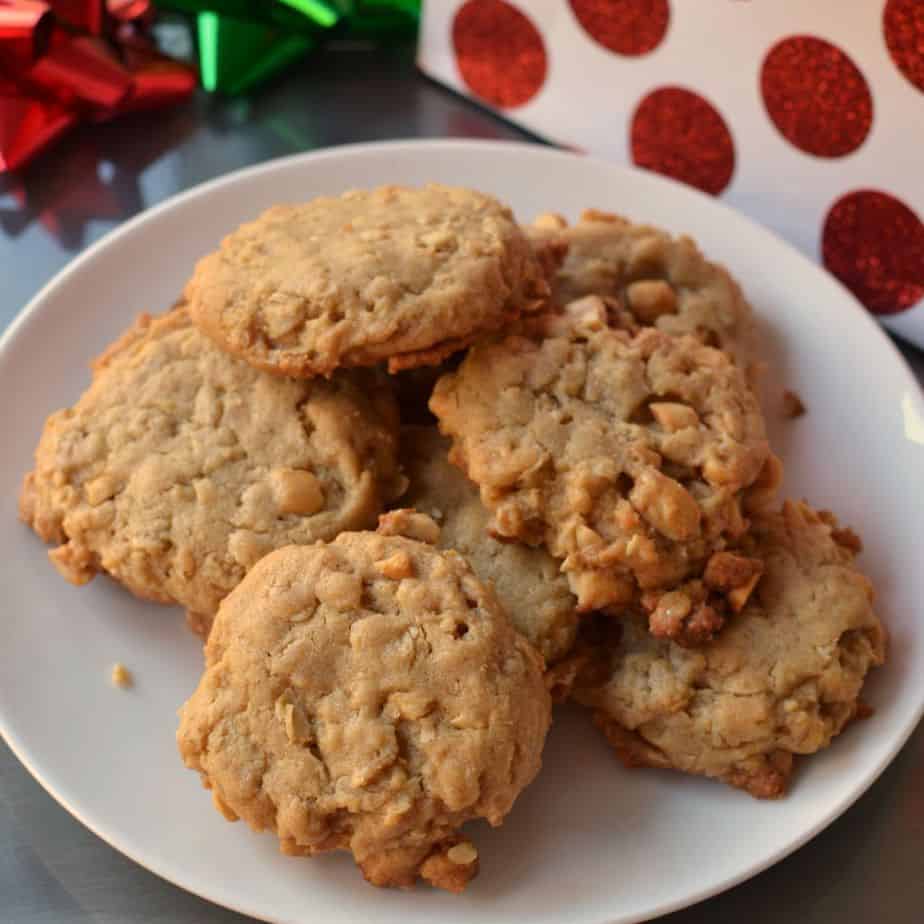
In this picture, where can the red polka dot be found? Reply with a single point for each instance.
(628, 27)
(816, 96)
(678, 133)
(499, 52)
(903, 26)
(874, 244)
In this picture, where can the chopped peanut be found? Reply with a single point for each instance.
(650, 298)
(121, 676)
(396, 566)
(673, 416)
(738, 598)
(410, 524)
(462, 854)
(296, 491)
(596, 589)
(666, 505)
(726, 570)
(549, 221)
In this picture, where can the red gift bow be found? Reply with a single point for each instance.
(65, 61)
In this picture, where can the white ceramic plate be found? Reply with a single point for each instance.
(588, 841)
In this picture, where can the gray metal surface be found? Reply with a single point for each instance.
(865, 867)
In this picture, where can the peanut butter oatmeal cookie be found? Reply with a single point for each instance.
(661, 280)
(782, 679)
(398, 274)
(181, 466)
(527, 580)
(370, 695)
(633, 458)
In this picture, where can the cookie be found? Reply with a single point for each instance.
(782, 679)
(367, 695)
(629, 457)
(398, 274)
(527, 580)
(181, 466)
(661, 280)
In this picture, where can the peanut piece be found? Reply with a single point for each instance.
(588, 313)
(121, 676)
(666, 505)
(673, 416)
(296, 491)
(645, 257)
(671, 610)
(607, 218)
(549, 221)
(462, 854)
(396, 566)
(727, 571)
(597, 589)
(410, 524)
(649, 299)
(738, 598)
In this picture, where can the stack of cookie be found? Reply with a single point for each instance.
(389, 609)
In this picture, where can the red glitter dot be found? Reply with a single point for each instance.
(628, 27)
(874, 244)
(499, 52)
(678, 133)
(903, 25)
(816, 96)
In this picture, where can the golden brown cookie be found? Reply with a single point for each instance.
(181, 466)
(398, 274)
(527, 580)
(660, 280)
(369, 695)
(628, 456)
(782, 679)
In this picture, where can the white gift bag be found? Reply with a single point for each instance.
(807, 115)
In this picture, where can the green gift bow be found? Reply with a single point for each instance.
(243, 42)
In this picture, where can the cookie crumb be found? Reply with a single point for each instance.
(793, 405)
(121, 676)
(462, 854)
(410, 524)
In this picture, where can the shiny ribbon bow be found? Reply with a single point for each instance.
(67, 61)
(243, 42)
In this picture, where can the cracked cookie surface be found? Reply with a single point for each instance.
(181, 466)
(628, 456)
(663, 281)
(782, 679)
(397, 274)
(527, 580)
(367, 694)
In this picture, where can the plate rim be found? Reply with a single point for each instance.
(216, 894)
